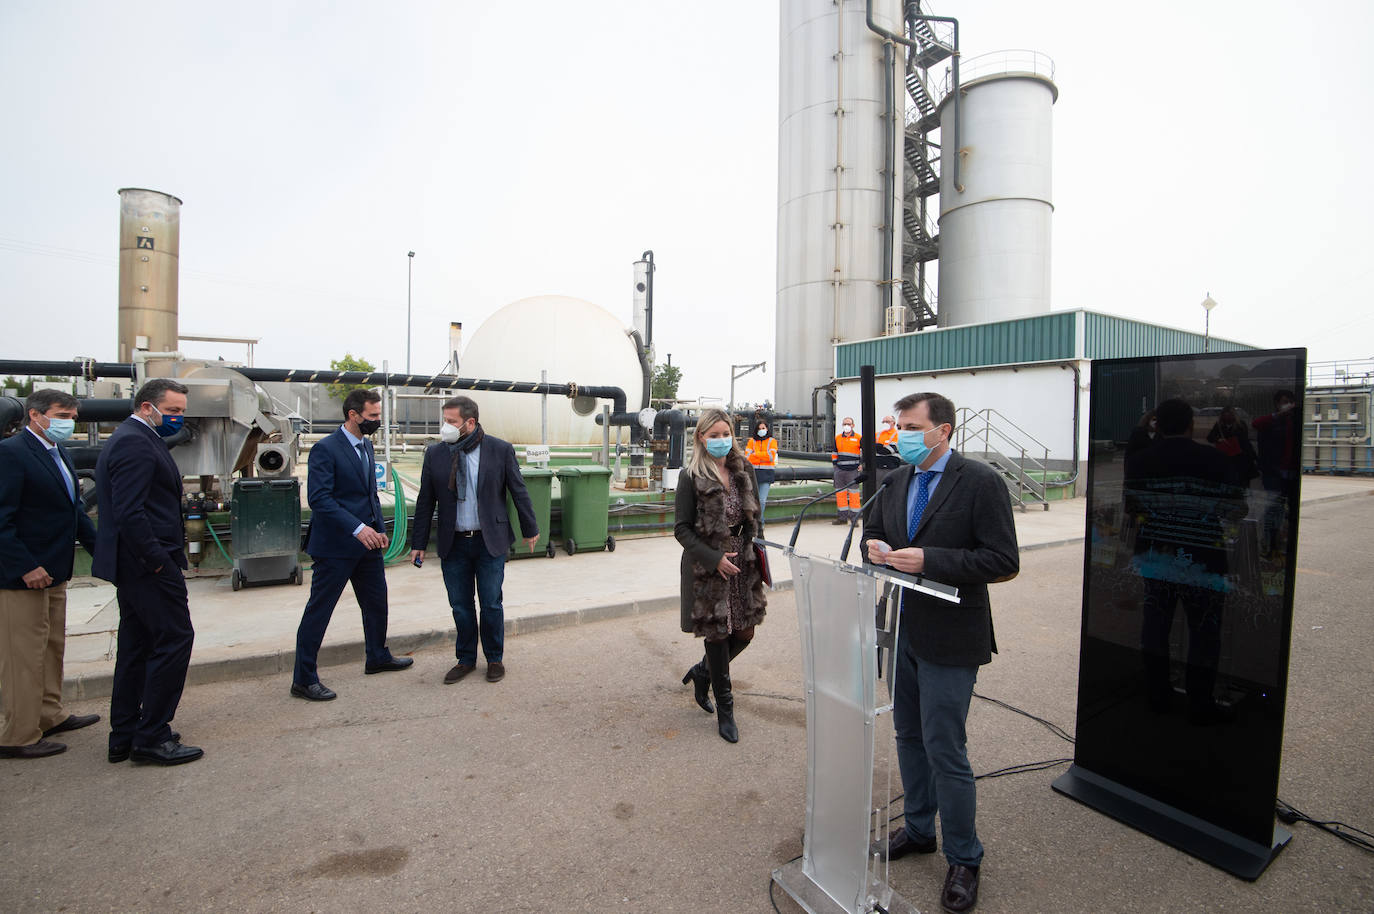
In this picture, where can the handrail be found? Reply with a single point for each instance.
(1009, 62)
(999, 415)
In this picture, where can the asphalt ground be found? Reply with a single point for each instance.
(588, 780)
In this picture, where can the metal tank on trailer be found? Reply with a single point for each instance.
(834, 144)
(995, 234)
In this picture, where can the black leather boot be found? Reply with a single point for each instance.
(737, 646)
(718, 663)
(701, 682)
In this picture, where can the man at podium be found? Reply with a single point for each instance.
(949, 518)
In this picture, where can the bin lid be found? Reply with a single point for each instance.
(535, 472)
(584, 470)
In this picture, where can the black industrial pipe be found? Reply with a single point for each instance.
(11, 413)
(823, 457)
(954, 69)
(104, 409)
(92, 370)
(648, 305)
(79, 368)
(795, 474)
(672, 423)
(867, 441)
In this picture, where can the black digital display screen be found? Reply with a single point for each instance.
(1194, 470)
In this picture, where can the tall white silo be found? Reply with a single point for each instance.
(995, 234)
(833, 148)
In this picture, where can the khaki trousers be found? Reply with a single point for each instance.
(33, 636)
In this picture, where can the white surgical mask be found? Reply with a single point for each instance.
(450, 434)
(849, 429)
(763, 433)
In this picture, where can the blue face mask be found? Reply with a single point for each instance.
(912, 446)
(718, 447)
(170, 424)
(60, 429)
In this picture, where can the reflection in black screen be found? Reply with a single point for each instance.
(1192, 488)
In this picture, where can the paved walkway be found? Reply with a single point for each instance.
(252, 632)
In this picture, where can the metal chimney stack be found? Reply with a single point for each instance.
(149, 261)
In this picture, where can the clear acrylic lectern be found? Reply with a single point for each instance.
(838, 610)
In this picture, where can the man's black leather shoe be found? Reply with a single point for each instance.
(389, 666)
(313, 692)
(168, 753)
(961, 889)
(900, 843)
(73, 722)
(121, 753)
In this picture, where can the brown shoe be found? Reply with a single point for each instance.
(458, 672)
(40, 749)
(961, 889)
(495, 671)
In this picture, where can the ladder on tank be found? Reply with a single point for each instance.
(920, 239)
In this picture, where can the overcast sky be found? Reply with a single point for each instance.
(538, 147)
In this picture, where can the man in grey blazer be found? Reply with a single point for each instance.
(466, 477)
(948, 518)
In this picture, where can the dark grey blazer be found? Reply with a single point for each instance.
(969, 540)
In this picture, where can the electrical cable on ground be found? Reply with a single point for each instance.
(1360, 838)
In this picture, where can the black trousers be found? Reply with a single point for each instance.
(155, 638)
(328, 577)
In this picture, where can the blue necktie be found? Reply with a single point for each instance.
(62, 471)
(922, 499)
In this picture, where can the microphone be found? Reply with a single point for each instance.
(844, 553)
(796, 528)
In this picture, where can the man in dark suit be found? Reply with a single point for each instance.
(140, 546)
(40, 517)
(346, 539)
(467, 476)
(952, 523)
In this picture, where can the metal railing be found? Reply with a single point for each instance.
(1011, 62)
(991, 437)
(1353, 372)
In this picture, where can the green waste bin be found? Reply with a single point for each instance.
(539, 483)
(586, 503)
(265, 531)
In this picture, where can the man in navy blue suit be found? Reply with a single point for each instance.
(40, 517)
(467, 476)
(346, 540)
(140, 546)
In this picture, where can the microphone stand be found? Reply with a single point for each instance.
(844, 553)
(796, 528)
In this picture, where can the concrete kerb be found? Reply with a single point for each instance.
(274, 663)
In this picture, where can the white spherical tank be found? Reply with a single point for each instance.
(833, 92)
(570, 339)
(995, 235)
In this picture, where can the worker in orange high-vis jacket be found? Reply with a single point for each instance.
(886, 451)
(762, 451)
(846, 462)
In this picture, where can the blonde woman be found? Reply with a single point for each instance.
(722, 587)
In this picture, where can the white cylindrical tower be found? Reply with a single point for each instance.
(833, 149)
(995, 235)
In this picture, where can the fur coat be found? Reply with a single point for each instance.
(701, 529)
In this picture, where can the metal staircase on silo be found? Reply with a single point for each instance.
(920, 239)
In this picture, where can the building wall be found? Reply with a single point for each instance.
(1038, 398)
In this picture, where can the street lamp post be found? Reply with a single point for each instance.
(735, 374)
(410, 264)
(1208, 304)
